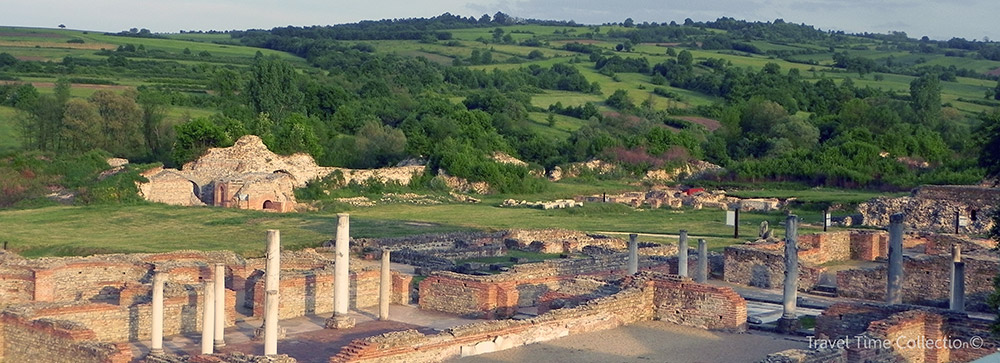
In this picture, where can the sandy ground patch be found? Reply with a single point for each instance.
(650, 341)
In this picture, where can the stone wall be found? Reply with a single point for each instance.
(559, 240)
(310, 292)
(55, 341)
(681, 301)
(246, 165)
(820, 248)
(640, 300)
(499, 296)
(933, 207)
(926, 280)
(234, 357)
(101, 278)
(764, 266)
(904, 327)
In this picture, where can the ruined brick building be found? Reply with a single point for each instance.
(249, 176)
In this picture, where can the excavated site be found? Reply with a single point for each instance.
(911, 289)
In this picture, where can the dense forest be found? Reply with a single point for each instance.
(352, 105)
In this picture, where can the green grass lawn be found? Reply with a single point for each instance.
(73, 230)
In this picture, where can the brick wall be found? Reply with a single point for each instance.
(86, 280)
(311, 292)
(682, 301)
(498, 296)
(926, 280)
(819, 248)
(116, 323)
(869, 245)
(55, 341)
(638, 301)
(17, 285)
(906, 328)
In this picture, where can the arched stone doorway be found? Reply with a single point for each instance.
(269, 205)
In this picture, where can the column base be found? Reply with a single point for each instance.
(219, 344)
(340, 322)
(156, 352)
(258, 334)
(788, 325)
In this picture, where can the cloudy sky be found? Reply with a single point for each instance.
(970, 19)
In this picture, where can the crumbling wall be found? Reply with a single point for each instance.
(559, 240)
(498, 296)
(899, 333)
(56, 341)
(933, 208)
(310, 292)
(682, 301)
(926, 280)
(639, 300)
(764, 266)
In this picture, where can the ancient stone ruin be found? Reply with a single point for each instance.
(249, 176)
(937, 208)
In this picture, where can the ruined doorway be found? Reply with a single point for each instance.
(269, 205)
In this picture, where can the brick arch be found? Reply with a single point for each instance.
(268, 204)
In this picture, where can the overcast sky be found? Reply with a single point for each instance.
(970, 19)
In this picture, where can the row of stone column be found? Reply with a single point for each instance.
(701, 274)
(213, 304)
(213, 311)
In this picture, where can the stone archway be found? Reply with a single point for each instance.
(269, 205)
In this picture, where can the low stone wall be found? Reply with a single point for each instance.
(894, 333)
(559, 240)
(641, 300)
(499, 296)
(56, 341)
(182, 306)
(681, 301)
(235, 357)
(869, 245)
(310, 292)
(926, 281)
(764, 266)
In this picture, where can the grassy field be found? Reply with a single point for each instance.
(60, 231)
(74, 230)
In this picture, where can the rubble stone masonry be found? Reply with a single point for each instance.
(640, 300)
(55, 341)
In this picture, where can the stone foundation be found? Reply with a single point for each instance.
(649, 296)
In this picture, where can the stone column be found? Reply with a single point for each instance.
(208, 317)
(702, 275)
(341, 280)
(682, 254)
(156, 346)
(957, 300)
(384, 288)
(895, 279)
(271, 323)
(633, 254)
(272, 276)
(220, 305)
(789, 321)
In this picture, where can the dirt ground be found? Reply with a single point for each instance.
(651, 341)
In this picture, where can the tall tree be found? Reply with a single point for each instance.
(272, 88)
(989, 158)
(925, 97)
